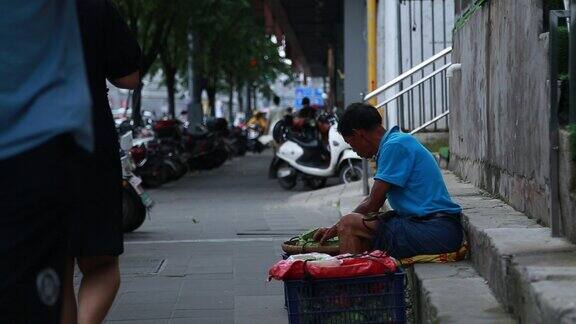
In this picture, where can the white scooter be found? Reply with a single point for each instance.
(310, 162)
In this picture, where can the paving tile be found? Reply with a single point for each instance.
(143, 297)
(192, 301)
(259, 306)
(251, 287)
(140, 321)
(154, 284)
(203, 320)
(141, 311)
(203, 313)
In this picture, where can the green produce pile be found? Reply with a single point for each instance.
(307, 239)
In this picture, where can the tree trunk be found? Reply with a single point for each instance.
(137, 95)
(137, 104)
(230, 99)
(171, 89)
(240, 98)
(211, 90)
(195, 112)
(248, 103)
(254, 100)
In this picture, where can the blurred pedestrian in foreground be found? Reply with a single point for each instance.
(112, 53)
(44, 120)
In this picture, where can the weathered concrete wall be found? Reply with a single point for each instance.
(499, 104)
(567, 172)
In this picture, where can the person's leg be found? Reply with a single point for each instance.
(100, 283)
(69, 309)
(355, 235)
(431, 236)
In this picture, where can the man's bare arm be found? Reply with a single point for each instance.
(372, 203)
(375, 200)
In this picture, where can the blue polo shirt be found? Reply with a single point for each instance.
(43, 86)
(417, 188)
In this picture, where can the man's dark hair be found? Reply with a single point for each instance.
(305, 101)
(359, 116)
(276, 100)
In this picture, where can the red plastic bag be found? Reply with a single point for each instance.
(375, 263)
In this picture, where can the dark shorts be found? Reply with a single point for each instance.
(407, 236)
(34, 221)
(97, 216)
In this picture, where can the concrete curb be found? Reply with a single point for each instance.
(531, 274)
(453, 293)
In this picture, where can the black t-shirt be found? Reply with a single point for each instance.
(110, 52)
(307, 112)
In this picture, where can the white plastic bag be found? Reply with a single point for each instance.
(319, 259)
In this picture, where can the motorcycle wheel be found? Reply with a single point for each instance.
(182, 169)
(221, 156)
(259, 147)
(241, 151)
(348, 175)
(286, 182)
(133, 210)
(156, 178)
(316, 183)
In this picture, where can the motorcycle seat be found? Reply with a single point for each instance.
(310, 143)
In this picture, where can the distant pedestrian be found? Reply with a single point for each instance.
(44, 120)
(112, 53)
(306, 111)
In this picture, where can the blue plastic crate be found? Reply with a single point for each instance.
(372, 299)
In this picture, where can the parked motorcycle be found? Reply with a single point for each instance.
(313, 160)
(150, 164)
(253, 134)
(207, 149)
(237, 141)
(135, 202)
(170, 145)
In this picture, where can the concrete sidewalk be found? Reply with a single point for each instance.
(204, 255)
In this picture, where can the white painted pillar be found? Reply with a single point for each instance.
(391, 69)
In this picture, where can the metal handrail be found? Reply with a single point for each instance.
(430, 122)
(408, 73)
(445, 67)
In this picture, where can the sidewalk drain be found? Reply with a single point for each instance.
(140, 265)
(160, 267)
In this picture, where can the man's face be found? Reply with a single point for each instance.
(360, 144)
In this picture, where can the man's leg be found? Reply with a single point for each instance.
(354, 234)
(100, 283)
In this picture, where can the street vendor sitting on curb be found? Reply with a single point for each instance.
(424, 219)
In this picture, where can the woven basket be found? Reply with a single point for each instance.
(291, 247)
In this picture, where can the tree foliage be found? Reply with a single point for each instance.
(231, 47)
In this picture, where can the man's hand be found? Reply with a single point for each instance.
(323, 234)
